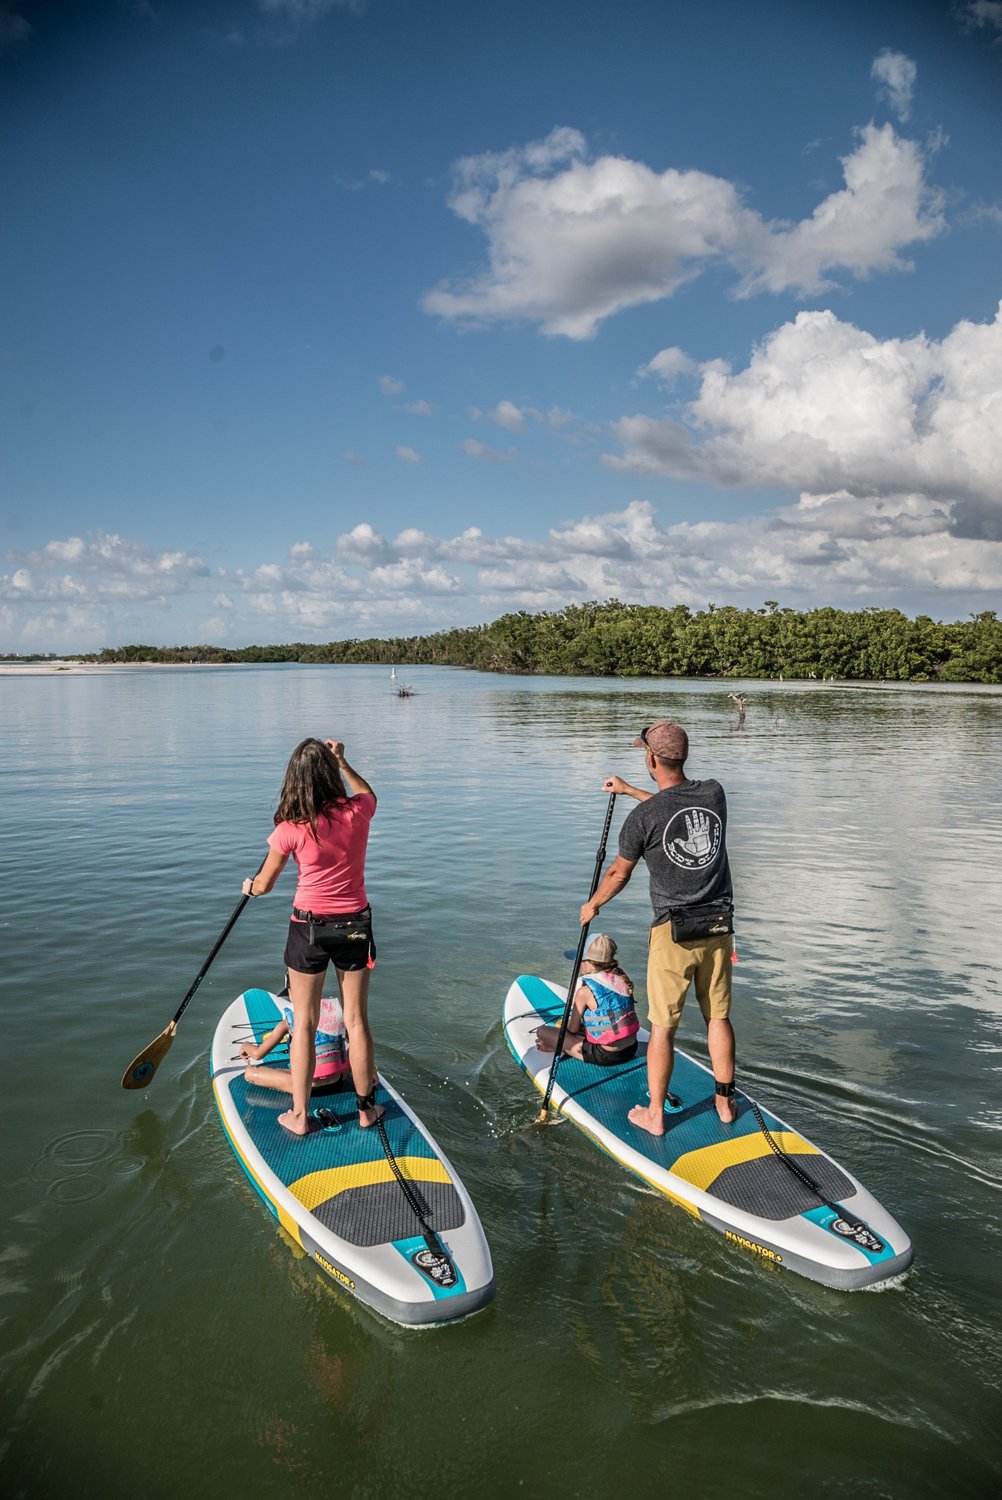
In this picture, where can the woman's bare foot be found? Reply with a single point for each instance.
(646, 1117)
(294, 1124)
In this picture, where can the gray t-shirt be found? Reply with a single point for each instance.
(682, 834)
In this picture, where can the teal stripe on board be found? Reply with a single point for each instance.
(826, 1218)
(610, 1093)
(291, 1157)
(410, 1247)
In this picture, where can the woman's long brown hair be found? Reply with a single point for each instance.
(313, 784)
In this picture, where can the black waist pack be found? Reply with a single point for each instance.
(690, 924)
(324, 931)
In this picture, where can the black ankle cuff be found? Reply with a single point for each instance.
(725, 1090)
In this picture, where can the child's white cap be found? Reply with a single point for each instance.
(601, 949)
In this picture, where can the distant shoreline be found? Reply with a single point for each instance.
(70, 667)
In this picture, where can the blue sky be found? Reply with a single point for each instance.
(327, 319)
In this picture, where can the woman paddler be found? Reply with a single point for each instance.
(326, 831)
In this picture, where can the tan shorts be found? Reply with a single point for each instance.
(672, 967)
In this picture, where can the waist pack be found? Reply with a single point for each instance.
(690, 924)
(324, 932)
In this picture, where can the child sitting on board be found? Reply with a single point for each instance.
(332, 1051)
(603, 1025)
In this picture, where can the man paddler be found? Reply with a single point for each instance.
(681, 832)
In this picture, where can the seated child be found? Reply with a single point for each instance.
(332, 1051)
(603, 1007)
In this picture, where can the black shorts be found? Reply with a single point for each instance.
(607, 1057)
(346, 954)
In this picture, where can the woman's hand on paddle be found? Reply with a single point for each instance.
(261, 883)
(336, 748)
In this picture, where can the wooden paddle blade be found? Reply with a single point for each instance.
(140, 1071)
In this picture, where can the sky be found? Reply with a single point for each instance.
(324, 319)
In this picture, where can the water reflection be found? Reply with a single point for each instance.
(866, 836)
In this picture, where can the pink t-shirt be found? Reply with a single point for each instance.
(332, 865)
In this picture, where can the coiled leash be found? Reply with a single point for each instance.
(434, 1261)
(857, 1229)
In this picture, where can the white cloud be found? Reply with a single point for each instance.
(418, 408)
(506, 414)
(983, 13)
(571, 241)
(390, 386)
(895, 73)
(667, 366)
(836, 547)
(408, 455)
(823, 406)
(473, 448)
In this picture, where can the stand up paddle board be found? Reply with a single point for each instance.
(768, 1191)
(413, 1249)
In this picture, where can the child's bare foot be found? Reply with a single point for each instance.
(646, 1117)
(294, 1124)
(546, 1039)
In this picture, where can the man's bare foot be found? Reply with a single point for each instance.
(646, 1117)
(294, 1124)
(367, 1117)
(727, 1108)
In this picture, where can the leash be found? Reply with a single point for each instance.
(434, 1260)
(858, 1230)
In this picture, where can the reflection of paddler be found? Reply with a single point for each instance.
(331, 1051)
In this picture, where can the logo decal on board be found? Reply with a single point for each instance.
(437, 1267)
(692, 839)
(859, 1234)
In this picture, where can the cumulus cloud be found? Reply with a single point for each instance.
(895, 74)
(390, 386)
(838, 547)
(667, 366)
(823, 407)
(408, 455)
(573, 240)
(418, 408)
(978, 14)
(473, 448)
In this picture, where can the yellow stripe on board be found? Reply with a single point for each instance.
(654, 1182)
(288, 1224)
(703, 1167)
(319, 1187)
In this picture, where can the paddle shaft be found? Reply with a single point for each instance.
(221, 939)
(142, 1068)
(571, 988)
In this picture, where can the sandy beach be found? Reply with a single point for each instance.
(102, 669)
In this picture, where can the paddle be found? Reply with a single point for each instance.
(599, 860)
(142, 1068)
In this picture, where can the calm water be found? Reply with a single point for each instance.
(159, 1333)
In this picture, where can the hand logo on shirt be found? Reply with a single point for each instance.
(697, 826)
(693, 838)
